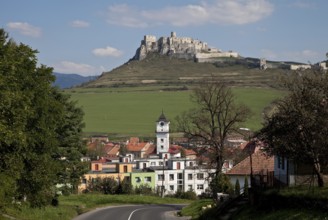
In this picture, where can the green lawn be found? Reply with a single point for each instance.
(134, 111)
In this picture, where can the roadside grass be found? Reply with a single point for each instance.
(287, 214)
(73, 205)
(301, 202)
(134, 110)
(194, 209)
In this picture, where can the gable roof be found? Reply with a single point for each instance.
(137, 147)
(260, 162)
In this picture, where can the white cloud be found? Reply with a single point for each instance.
(80, 24)
(221, 12)
(108, 51)
(78, 68)
(25, 29)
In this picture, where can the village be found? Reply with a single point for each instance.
(168, 168)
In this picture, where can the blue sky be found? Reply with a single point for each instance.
(89, 37)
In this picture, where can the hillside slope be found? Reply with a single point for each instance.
(165, 70)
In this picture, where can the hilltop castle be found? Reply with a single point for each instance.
(180, 47)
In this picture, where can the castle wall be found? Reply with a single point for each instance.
(210, 57)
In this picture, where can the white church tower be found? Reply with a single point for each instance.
(162, 134)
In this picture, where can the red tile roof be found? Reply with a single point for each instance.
(260, 162)
(135, 147)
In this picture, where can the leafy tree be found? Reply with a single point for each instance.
(33, 117)
(221, 183)
(237, 188)
(298, 126)
(215, 116)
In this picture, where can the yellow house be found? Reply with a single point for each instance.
(101, 169)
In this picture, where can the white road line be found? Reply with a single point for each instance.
(134, 212)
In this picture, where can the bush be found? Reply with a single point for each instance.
(246, 186)
(144, 189)
(221, 183)
(237, 188)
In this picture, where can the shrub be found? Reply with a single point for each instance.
(237, 188)
(143, 189)
(246, 186)
(221, 183)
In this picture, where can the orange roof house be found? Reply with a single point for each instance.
(262, 167)
(138, 149)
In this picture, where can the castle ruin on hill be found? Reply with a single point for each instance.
(180, 47)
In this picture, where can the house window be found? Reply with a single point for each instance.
(125, 168)
(96, 166)
(162, 140)
(200, 176)
(160, 177)
(190, 176)
(190, 187)
(84, 181)
(178, 166)
(138, 179)
(180, 176)
(147, 179)
(172, 187)
(153, 163)
(161, 163)
(200, 186)
(171, 177)
(281, 163)
(162, 147)
(191, 164)
(144, 165)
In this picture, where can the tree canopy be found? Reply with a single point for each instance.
(40, 128)
(298, 126)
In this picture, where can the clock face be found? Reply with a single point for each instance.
(161, 124)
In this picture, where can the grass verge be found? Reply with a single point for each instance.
(195, 208)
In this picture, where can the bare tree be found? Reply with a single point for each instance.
(215, 116)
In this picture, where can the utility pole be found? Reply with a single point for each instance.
(250, 151)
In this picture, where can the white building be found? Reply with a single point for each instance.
(173, 172)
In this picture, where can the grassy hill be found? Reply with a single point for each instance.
(165, 70)
(129, 99)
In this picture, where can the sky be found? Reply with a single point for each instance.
(88, 37)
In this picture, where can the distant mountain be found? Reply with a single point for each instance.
(65, 81)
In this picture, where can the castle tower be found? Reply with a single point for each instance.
(173, 34)
(162, 134)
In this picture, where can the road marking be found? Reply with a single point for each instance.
(134, 212)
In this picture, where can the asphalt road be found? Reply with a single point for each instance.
(134, 212)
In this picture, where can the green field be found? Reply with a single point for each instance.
(134, 110)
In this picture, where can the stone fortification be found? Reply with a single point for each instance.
(181, 47)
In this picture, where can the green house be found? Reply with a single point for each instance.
(142, 178)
